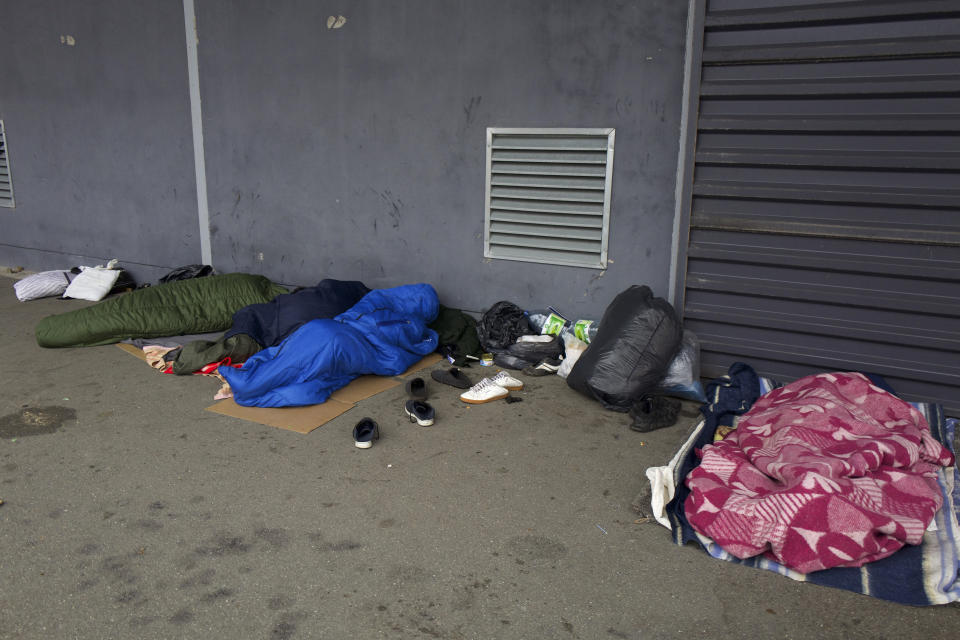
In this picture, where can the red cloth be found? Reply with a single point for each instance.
(827, 471)
(208, 369)
(211, 368)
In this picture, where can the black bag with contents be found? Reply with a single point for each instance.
(501, 325)
(187, 272)
(638, 337)
(533, 352)
(524, 354)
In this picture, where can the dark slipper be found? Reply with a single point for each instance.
(366, 431)
(417, 389)
(453, 377)
(654, 412)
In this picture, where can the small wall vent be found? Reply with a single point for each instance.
(6, 184)
(548, 195)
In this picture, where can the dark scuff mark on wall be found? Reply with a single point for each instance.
(469, 110)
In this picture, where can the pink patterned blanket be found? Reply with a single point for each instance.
(827, 471)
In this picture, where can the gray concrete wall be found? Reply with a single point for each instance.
(359, 152)
(356, 152)
(98, 134)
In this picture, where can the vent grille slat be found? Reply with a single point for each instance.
(545, 231)
(533, 193)
(578, 208)
(553, 157)
(558, 142)
(526, 217)
(546, 181)
(533, 254)
(545, 169)
(558, 244)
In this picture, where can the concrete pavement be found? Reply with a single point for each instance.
(130, 512)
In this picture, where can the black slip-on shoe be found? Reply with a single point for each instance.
(420, 412)
(417, 389)
(366, 431)
(453, 377)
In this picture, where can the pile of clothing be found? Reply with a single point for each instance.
(831, 479)
(281, 348)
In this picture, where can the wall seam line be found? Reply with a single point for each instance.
(682, 158)
(196, 116)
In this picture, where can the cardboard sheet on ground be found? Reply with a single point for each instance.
(132, 350)
(306, 419)
(299, 419)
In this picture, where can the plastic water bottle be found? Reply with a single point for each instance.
(585, 330)
(547, 321)
(537, 319)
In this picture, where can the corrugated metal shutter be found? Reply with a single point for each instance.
(6, 184)
(548, 195)
(825, 209)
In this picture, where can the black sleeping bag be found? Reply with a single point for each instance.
(638, 337)
(270, 322)
(258, 326)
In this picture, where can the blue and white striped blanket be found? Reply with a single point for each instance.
(926, 574)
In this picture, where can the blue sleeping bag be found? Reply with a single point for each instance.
(383, 334)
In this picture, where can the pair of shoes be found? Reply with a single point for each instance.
(490, 389)
(544, 368)
(366, 431)
(416, 408)
(654, 412)
(453, 377)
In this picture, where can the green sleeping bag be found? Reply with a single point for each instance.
(198, 305)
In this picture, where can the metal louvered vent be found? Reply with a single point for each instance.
(548, 195)
(6, 184)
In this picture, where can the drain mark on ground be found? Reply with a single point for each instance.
(35, 421)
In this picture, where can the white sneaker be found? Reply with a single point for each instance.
(484, 391)
(507, 381)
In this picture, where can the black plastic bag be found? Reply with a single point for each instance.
(508, 361)
(638, 337)
(532, 353)
(520, 355)
(187, 272)
(501, 325)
